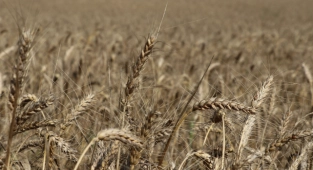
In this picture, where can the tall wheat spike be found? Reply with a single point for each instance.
(25, 43)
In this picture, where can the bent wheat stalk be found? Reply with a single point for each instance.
(182, 117)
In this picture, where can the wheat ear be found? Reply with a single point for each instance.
(35, 125)
(208, 159)
(131, 85)
(256, 102)
(137, 67)
(80, 109)
(304, 152)
(218, 103)
(294, 136)
(31, 105)
(110, 135)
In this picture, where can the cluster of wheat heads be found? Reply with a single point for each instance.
(145, 135)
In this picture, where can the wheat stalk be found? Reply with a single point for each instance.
(182, 117)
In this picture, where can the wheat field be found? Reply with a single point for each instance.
(173, 85)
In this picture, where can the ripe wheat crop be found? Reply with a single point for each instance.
(97, 85)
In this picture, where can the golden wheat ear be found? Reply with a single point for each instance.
(111, 135)
(137, 67)
(260, 97)
(218, 103)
